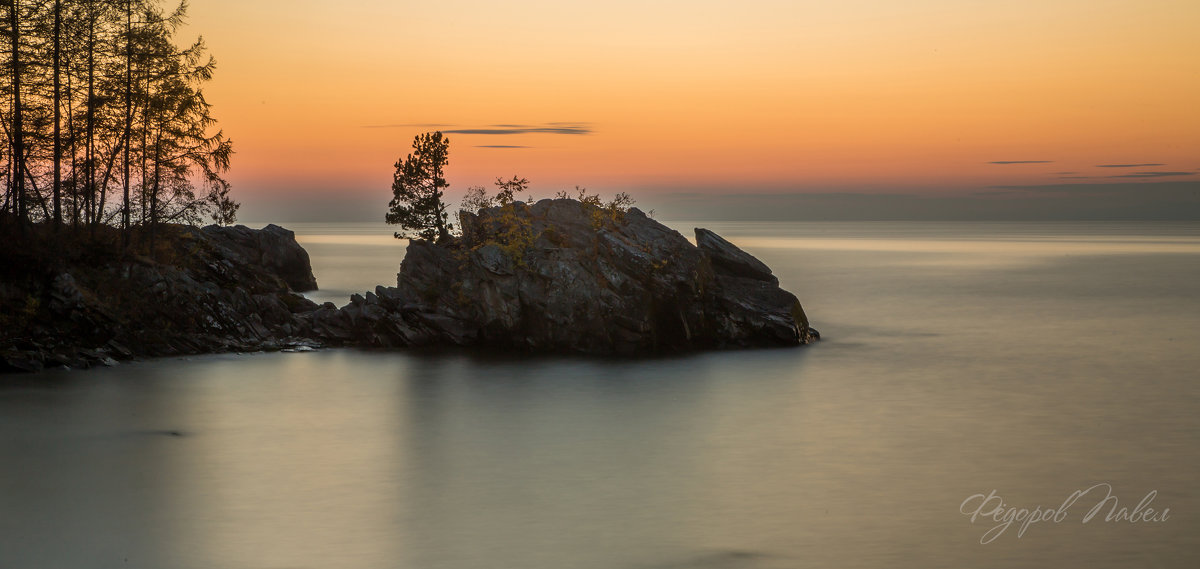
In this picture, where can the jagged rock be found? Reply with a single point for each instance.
(64, 295)
(332, 324)
(727, 259)
(273, 247)
(21, 360)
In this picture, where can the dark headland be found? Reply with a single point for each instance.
(555, 276)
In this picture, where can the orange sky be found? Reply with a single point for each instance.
(732, 96)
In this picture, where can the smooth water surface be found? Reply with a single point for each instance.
(1030, 359)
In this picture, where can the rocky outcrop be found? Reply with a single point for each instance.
(215, 289)
(564, 276)
(272, 247)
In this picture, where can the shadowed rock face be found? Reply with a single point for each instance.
(728, 260)
(564, 276)
(272, 247)
(223, 289)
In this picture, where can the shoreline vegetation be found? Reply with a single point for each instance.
(106, 122)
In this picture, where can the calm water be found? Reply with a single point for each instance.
(1033, 360)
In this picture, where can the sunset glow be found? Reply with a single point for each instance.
(759, 95)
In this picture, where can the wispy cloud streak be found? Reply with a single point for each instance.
(569, 128)
(1154, 174)
(505, 130)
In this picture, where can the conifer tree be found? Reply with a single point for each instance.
(417, 189)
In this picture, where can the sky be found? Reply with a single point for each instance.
(944, 105)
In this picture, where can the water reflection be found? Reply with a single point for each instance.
(934, 383)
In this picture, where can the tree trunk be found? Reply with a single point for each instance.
(57, 114)
(74, 147)
(18, 134)
(145, 144)
(89, 154)
(128, 117)
(154, 189)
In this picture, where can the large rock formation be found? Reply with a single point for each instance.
(561, 275)
(212, 289)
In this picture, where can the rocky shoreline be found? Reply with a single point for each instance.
(555, 276)
(224, 289)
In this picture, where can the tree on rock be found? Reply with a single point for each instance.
(417, 189)
(510, 190)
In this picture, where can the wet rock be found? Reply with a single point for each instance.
(28, 361)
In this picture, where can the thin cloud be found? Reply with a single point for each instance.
(501, 146)
(1006, 162)
(1153, 174)
(1064, 173)
(1127, 165)
(557, 128)
(499, 129)
(1187, 188)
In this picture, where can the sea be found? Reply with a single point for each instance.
(985, 395)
